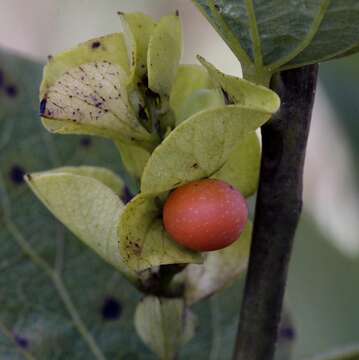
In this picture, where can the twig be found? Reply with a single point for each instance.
(278, 210)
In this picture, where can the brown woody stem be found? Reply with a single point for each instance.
(278, 210)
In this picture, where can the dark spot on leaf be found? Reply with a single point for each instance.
(286, 333)
(49, 57)
(95, 44)
(86, 141)
(177, 13)
(11, 91)
(43, 106)
(111, 309)
(120, 13)
(126, 196)
(21, 341)
(216, 6)
(195, 166)
(16, 174)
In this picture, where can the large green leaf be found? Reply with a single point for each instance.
(199, 146)
(322, 293)
(143, 240)
(272, 35)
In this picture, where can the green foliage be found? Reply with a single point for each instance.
(136, 99)
(271, 36)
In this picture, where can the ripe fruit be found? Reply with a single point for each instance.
(205, 215)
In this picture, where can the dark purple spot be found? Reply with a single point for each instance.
(11, 91)
(177, 13)
(49, 57)
(21, 341)
(86, 141)
(43, 106)
(126, 195)
(16, 174)
(111, 309)
(287, 333)
(96, 44)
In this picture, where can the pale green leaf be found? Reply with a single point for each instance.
(143, 240)
(202, 99)
(189, 78)
(164, 325)
(219, 269)
(164, 54)
(89, 208)
(241, 170)
(92, 99)
(106, 176)
(109, 48)
(278, 34)
(137, 29)
(243, 92)
(133, 157)
(199, 146)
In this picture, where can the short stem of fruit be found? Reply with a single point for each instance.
(278, 210)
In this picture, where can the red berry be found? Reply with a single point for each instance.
(205, 215)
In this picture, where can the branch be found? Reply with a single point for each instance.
(278, 210)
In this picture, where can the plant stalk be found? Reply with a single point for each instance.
(278, 209)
